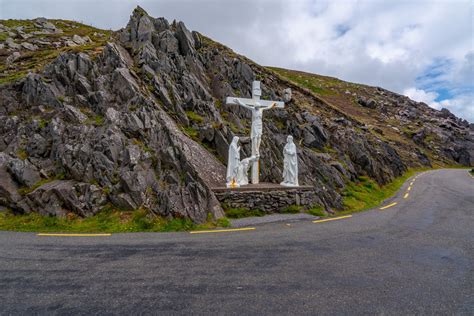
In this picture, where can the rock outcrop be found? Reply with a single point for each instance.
(142, 124)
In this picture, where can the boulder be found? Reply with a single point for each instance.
(185, 39)
(23, 172)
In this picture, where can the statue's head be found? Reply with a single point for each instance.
(289, 139)
(256, 91)
(235, 140)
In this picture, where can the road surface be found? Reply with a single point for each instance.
(414, 257)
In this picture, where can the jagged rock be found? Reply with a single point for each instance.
(37, 146)
(11, 59)
(287, 95)
(9, 41)
(61, 197)
(445, 113)
(80, 40)
(69, 43)
(8, 189)
(74, 115)
(29, 46)
(112, 115)
(23, 172)
(185, 39)
(368, 103)
(124, 84)
(44, 24)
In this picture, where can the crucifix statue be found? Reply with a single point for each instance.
(257, 107)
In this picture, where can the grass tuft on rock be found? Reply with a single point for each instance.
(317, 210)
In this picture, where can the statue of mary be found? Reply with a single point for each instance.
(290, 164)
(233, 164)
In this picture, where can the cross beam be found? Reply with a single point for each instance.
(256, 102)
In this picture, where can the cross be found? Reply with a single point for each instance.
(257, 107)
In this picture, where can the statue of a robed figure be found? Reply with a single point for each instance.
(290, 164)
(237, 170)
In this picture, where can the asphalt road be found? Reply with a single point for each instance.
(415, 257)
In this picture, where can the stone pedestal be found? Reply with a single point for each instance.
(267, 197)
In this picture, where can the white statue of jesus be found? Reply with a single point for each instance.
(290, 164)
(257, 125)
(233, 163)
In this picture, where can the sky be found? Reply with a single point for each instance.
(422, 49)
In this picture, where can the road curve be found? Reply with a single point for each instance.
(414, 257)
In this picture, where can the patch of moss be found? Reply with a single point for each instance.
(26, 190)
(191, 132)
(243, 212)
(143, 147)
(194, 117)
(22, 154)
(98, 120)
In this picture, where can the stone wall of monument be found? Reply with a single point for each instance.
(271, 201)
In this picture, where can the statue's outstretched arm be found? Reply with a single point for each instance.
(243, 104)
(269, 106)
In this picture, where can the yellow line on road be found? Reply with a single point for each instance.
(387, 206)
(74, 235)
(411, 183)
(406, 195)
(221, 230)
(409, 188)
(331, 219)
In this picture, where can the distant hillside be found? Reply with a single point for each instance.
(135, 119)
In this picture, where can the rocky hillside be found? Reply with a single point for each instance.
(135, 119)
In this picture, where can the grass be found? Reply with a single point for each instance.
(292, 209)
(108, 220)
(365, 193)
(317, 210)
(191, 132)
(310, 82)
(243, 212)
(194, 117)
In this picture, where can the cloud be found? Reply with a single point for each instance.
(421, 95)
(461, 105)
(399, 45)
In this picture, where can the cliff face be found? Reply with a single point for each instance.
(136, 119)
